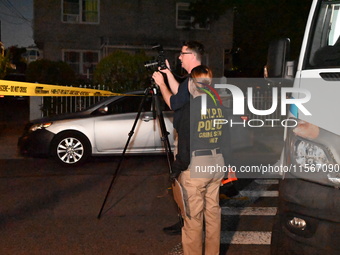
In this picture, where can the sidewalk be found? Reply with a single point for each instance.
(13, 117)
(9, 135)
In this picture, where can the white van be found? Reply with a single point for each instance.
(308, 218)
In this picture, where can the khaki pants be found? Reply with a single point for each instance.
(201, 196)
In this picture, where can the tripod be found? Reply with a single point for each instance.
(154, 91)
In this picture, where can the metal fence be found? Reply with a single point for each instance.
(261, 100)
(58, 105)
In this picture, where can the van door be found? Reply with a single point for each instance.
(320, 69)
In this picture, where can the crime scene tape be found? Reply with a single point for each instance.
(15, 88)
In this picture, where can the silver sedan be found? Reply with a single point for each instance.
(104, 129)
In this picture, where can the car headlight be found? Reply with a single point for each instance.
(312, 158)
(309, 154)
(312, 155)
(39, 126)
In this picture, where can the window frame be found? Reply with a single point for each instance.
(185, 5)
(323, 37)
(81, 62)
(79, 17)
(129, 104)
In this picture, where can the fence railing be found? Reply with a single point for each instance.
(262, 100)
(58, 105)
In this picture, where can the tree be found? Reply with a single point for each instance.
(256, 23)
(122, 71)
(4, 65)
(50, 72)
(17, 59)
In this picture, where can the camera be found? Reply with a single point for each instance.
(160, 61)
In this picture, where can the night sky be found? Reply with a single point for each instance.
(16, 22)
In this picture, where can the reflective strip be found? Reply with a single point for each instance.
(266, 181)
(259, 193)
(253, 211)
(246, 237)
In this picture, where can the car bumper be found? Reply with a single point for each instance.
(35, 143)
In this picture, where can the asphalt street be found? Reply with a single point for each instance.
(47, 209)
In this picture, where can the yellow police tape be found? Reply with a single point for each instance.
(15, 88)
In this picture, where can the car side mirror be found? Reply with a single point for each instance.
(278, 65)
(276, 60)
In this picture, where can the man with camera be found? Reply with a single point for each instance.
(178, 94)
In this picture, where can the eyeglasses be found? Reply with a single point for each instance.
(183, 53)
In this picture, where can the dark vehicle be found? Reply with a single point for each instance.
(307, 221)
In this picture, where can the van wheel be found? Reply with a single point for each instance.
(71, 148)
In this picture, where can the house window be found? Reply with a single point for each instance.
(80, 11)
(82, 62)
(184, 18)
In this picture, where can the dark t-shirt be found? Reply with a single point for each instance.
(178, 100)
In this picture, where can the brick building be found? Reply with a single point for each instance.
(81, 32)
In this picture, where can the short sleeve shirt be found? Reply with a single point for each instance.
(178, 100)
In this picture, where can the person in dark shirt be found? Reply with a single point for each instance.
(201, 163)
(177, 95)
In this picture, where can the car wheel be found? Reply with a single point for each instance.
(71, 148)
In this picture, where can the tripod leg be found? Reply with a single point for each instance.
(146, 93)
(164, 132)
(167, 147)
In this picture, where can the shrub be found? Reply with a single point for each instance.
(122, 71)
(50, 72)
(4, 65)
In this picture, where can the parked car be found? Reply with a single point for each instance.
(101, 129)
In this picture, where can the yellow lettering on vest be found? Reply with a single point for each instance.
(200, 125)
